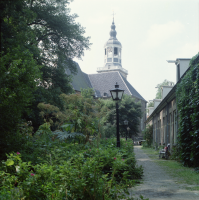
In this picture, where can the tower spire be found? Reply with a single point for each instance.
(113, 16)
(112, 54)
(113, 32)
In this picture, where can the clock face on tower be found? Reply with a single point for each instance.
(109, 49)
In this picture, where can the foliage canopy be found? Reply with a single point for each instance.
(129, 110)
(39, 40)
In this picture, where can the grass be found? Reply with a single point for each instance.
(183, 174)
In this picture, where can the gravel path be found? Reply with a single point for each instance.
(158, 185)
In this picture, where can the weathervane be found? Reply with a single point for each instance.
(113, 15)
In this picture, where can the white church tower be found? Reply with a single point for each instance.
(113, 54)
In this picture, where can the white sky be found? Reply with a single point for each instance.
(150, 31)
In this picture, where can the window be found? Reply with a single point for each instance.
(164, 130)
(115, 59)
(109, 51)
(171, 132)
(159, 131)
(115, 51)
(109, 59)
(174, 127)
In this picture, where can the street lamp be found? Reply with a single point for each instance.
(126, 124)
(128, 129)
(117, 94)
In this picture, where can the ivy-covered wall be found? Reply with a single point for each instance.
(188, 109)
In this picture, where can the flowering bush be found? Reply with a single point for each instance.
(70, 171)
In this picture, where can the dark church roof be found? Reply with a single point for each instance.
(79, 80)
(102, 83)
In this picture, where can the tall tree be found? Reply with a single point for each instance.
(39, 39)
(19, 71)
(128, 110)
(60, 39)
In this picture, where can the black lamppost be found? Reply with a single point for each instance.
(128, 129)
(117, 94)
(126, 124)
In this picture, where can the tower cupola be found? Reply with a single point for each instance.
(113, 32)
(112, 54)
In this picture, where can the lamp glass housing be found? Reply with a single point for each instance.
(117, 93)
(126, 122)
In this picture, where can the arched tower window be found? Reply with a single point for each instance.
(115, 51)
(109, 51)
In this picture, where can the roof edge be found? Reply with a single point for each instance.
(166, 99)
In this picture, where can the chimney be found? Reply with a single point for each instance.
(151, 109)
(165, 90)
(182, 64)
(156, 102)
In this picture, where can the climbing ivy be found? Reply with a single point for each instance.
(188, 108)
(148, 135)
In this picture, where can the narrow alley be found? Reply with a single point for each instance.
(157, 184)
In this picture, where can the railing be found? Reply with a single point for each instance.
(112, 67)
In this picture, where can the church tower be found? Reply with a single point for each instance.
(113, 55)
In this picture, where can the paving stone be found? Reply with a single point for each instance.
(157, 184)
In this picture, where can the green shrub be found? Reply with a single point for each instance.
(148, 136)
(75, 171)
(108, 131)
(176, 153)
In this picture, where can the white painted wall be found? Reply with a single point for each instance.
(165, 90)
(184, 64)
(156, 102)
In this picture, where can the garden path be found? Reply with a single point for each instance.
(157, 184)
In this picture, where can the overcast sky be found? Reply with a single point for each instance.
(150, 31)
